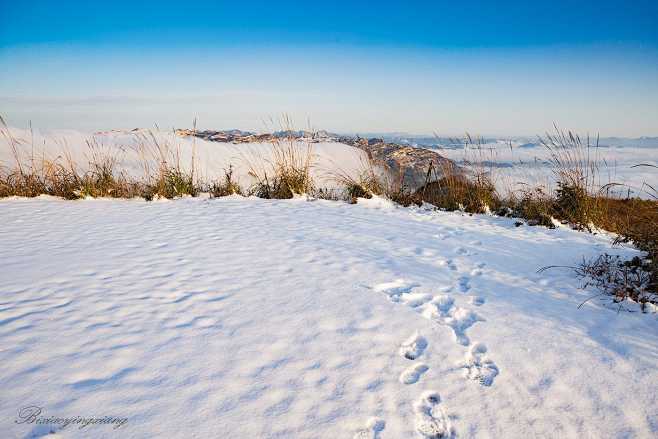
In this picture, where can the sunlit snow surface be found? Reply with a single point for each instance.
(249, 318)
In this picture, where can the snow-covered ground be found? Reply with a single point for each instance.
(249, 318)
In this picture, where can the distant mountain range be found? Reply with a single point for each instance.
(403, 139)
(522, 142)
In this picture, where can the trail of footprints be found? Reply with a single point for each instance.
(411, 349)
(431, 420)
(443, 310)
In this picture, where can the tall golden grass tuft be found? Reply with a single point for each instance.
(576, 165)
(32, 175)
(226, 187)
(469, 188)
(287, 172)
(365, 183)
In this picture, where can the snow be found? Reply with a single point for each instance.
(244, 318)
(211, 159)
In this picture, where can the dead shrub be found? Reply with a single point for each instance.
(226, 187)
(533, 205)
(618, 279)
(364, 185)
(286, 174)
(575, 163)
(170, 179)
(457, 192)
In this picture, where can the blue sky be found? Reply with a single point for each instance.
(419, 66)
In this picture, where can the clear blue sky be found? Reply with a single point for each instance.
(348, 66)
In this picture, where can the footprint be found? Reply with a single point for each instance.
(412, 374)
(442, 309)
(415, 300)
(431, 421)
(373, 427)
(443, 304)
(476, 300)
(413, 347)
(395, 288)
(460, 320)
(464, 284)
(479, 368)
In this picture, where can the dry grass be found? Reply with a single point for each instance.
(330, 194)
(619, 279)
(469, 188)
(457, 192)
(369, 180)
(532, 204)
(634, 221)
(366, 183)
(576, 165)
(584, 200)
(226, 187)
(286, 173)
(170, 179)
(32, 175)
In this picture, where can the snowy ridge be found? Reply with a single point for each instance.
(211, 159)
